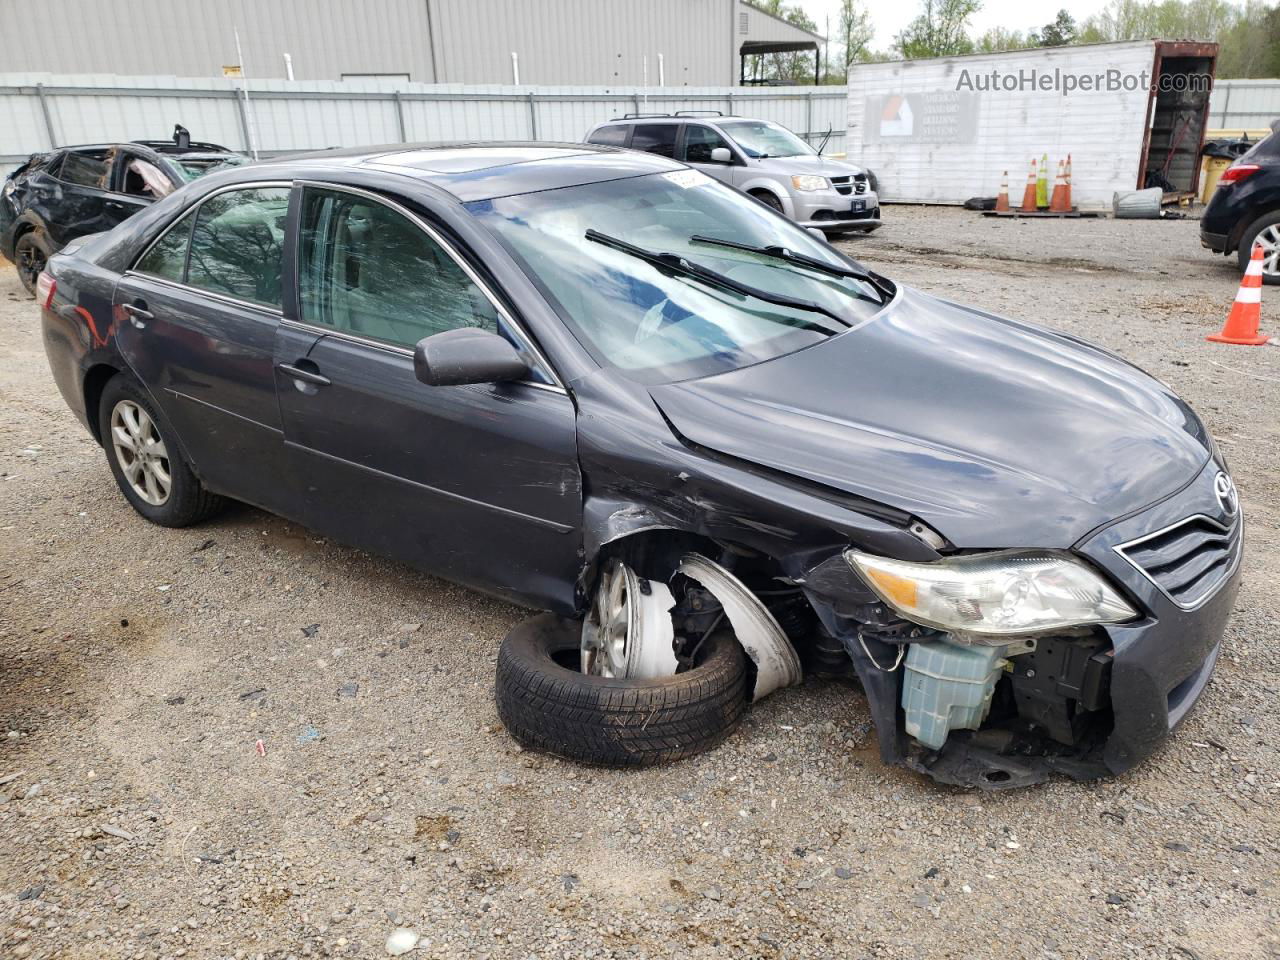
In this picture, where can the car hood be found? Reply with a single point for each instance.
(996, 433)
(807, 163)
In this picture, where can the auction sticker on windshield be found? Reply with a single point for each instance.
(687, 178)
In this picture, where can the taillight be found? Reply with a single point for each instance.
(1239, 171)
(46, 286)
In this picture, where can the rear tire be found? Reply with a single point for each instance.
(614, 722)
(147, 461)
(1264, 230)
(31, 255)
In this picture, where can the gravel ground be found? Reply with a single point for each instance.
(140, 666)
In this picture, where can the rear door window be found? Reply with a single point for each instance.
(612, 136)
(236, 246)
(659, 138)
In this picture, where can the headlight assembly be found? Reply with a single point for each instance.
(1000, 594)
(808, 182)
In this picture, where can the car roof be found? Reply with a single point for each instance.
(479, 171)
(675, 118)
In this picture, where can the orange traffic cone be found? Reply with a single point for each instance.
(1058, 204)
(1066, 176)
(1246, 313)
(1002, 199)
(1029, 194)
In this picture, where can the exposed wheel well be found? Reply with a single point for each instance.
(95, 381)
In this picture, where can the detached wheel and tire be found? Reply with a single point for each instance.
(1265, 232)
(146, 461)
(31, 254)
(547, 704)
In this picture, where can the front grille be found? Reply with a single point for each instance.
(847, 185)
(1189, 560)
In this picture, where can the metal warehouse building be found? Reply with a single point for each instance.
(626, 42)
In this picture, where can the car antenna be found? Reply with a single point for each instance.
(825, 140)
(181, 137)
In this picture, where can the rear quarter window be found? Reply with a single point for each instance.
(614, 136)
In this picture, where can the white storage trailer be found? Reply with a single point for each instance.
(945, 129)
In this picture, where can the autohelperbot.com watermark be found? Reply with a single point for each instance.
(1067, 82)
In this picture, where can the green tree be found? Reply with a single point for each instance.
(941, 30)
(856, 32)
(1057, 34)
(998, 40)
(1251, 47)
(1249, 35)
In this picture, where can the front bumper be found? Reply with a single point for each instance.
(1160, 664)
(829, 210)
(1163, 662)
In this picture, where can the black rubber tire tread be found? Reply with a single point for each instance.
(615, 723)
(34, 238)
(769, 199)
(1245, 250)
(189, 502)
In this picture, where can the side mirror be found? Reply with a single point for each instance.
(819, 234)
(721, 155)
(467, 355)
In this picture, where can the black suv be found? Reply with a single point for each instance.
(73, 191)
(1245, 209)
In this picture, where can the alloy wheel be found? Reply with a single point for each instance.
(141, 453)
(1269, 240)
(607, 628)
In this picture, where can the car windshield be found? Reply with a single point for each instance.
(760, 138)
(193, 167)
(660, 323)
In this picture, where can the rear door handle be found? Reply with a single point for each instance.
(136, 311)
(306, 376)
(138, 316)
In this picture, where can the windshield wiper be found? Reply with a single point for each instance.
(675, 264)
(776, 252)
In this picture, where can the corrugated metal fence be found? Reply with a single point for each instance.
(1244, 104)
(39, 111)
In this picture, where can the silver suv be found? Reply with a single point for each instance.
(761, 158)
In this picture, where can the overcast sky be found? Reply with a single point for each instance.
(890, 16)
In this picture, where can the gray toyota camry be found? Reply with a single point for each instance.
(719, 454)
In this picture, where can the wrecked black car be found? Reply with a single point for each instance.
(717, 451)
(55, 197)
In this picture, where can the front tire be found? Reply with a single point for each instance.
(146, 460)
(604, 721)
(31, 255)
(1266, 232)
(768, 199)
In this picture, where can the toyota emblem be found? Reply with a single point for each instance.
(1225, 491)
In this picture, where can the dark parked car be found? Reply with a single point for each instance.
(1245, 208)
(74, 191)
(599, 383)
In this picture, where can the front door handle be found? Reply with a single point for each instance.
(305, 376)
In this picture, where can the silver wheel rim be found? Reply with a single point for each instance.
(141, 453)
(1269, 240)
(607, 627)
